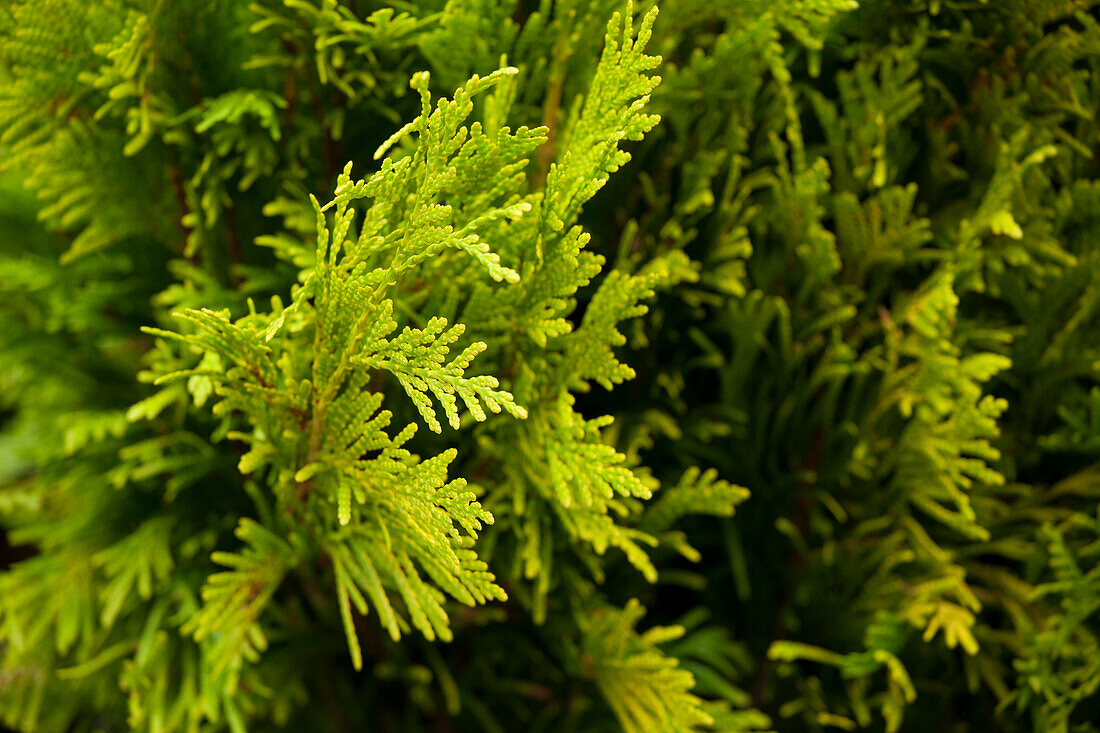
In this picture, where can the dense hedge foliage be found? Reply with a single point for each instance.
(399, 366)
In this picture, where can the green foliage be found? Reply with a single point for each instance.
(642, 685)
(620, 264)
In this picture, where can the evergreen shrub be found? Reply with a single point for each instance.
(550, 365)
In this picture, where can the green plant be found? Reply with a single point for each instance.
(377, 365)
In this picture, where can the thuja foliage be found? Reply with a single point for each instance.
(399, 366)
